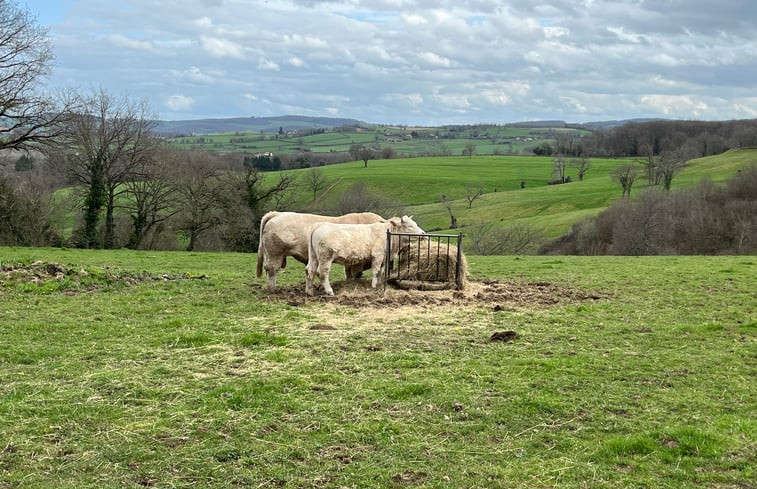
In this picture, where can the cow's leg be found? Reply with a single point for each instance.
(377, 270)
(353, 272)
(272, 265)
(309, 272)
(323, 272)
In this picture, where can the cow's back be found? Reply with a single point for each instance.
(287, 233)
(347, 243)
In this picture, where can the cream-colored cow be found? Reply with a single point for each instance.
(285, 234)
(352, 244)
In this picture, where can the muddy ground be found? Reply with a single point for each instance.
(498, 295)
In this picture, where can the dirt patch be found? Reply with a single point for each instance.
(498, 295)
(504, 336)
(51, 277)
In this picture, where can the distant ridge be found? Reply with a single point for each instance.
(300, 122)
(611, 124)
(593, 125)
(263, 124)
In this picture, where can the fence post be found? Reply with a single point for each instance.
(459, 265)
(387, 256)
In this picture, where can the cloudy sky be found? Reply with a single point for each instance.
(428, 62)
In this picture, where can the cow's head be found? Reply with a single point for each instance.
(405, 224)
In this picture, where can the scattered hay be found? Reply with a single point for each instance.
(427, 260)
(492, 294)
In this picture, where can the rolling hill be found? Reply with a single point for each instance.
(242, 124)
(420, 183)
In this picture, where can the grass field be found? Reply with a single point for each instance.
(148, 369)
(487, 140)
(419, 183)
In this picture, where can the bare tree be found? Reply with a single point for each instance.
(364, 153)
(315, 180)
(358, 198)
(640, 228)
(469, 150)
(26, 210)
(257, 194)
(488, 239)
(473, 192)
(626, 175)
(29, 119)
(285, 198)
(448, 205)
(582, 164)
(199, 194)
(647, 150)
(151, 193)
(109, 138)
(670, 163)
(559, 165)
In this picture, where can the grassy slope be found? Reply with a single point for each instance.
(420, 183)
(205, 382)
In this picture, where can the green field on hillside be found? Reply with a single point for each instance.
(405, 141)
(419, 183)
(172, 369)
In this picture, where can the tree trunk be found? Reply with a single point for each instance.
(110, 222)
(93, 205)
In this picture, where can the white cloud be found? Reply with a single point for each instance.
(624, 35)
(179, 103)
(221, 48)
(296, 62)
(746, 108)
(434, 59)
(437, 61)
(267, 65)
(675, 105)
(193, 74)
(203, 23)
(121, 41)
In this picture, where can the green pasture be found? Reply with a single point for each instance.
(419, 183)
(160, 369)
(487, 140)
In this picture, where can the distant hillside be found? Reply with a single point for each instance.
(593, 125)
(261, 124)
(611, 124)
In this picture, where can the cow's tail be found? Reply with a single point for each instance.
(267, 217)
(312, 264)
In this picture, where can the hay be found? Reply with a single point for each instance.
(428, 260)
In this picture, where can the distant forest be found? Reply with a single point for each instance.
(693, 138)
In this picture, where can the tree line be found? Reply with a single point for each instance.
(703, 220)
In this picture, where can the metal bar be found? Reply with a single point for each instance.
(419, 254)
(438, 237)
(459, 264)
(387, 256)
(446, 263)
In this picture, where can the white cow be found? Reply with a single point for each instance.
(351, 244)
(285, 234)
